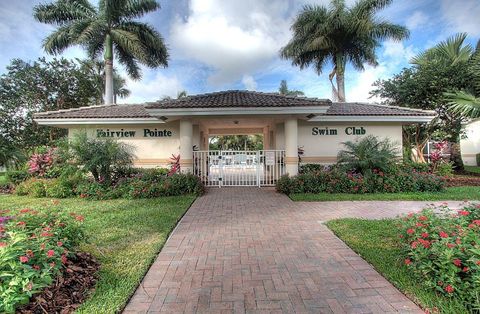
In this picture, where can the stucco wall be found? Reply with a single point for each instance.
(471, 144)
(150, 151)
(324, 148)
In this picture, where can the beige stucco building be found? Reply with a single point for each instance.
(161, 129)
(470, 144)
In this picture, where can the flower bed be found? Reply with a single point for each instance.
(335, 180)
(34, 247)
(443, 251)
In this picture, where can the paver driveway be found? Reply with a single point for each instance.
(254, 250)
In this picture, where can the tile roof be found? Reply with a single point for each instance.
(363, 109)
(237, 98)
(97, 112)
(230, 99)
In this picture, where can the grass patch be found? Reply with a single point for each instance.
(3, 179)
(451, 194)
(474, 169)
(377, 242)
(125, 236)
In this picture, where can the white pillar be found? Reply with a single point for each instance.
(186, 146)
(291, 146)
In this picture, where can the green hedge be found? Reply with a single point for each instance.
(337, 181)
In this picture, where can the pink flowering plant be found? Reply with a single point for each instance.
(442, 248)
(40, 163)
(34, 246)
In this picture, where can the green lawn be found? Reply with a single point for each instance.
(125, 236)
(475, 169)
(450, 194)
(3, 179)
(377, 242)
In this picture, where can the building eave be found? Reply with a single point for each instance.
(59, 122)
(402, 119)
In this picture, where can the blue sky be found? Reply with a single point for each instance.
(232, 44)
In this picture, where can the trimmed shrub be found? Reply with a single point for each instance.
(32, 187)
(58, 188)
(336, 180)
(442, 251)
(306, 168)
(444, 169)
(17, 176)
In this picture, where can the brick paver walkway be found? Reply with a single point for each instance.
(250, 250)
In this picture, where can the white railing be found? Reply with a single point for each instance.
(239, 168)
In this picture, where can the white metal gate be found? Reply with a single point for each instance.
(239, 168)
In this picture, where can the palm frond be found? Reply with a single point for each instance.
(384, 30)
(450, 51)
(58, 41)
(464, 104)
(154, 48)
(128, 60)
(369, 7)
(138, 8)
(64, 11)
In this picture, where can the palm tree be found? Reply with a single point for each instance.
(97, 68)
(467, 103)
(109, 28)
(339, 34)
(283, 90)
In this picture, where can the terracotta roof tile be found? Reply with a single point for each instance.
(236, 98)
(228, 99)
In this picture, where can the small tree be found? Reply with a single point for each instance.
(367, 154)
(101, 157)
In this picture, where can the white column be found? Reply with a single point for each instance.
(291, 146)
(186, 146)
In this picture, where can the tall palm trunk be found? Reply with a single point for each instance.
(108, 70)
(340, 76)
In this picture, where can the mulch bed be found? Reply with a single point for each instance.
(463, 180)
(69, 290)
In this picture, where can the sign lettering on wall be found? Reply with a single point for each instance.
(350, 130)
(130, 133)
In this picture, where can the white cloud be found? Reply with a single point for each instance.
(462, 16)
(249, 82)
(235, 38)
(417, 19)
(397, 51)
(152, 89)
(362, 84)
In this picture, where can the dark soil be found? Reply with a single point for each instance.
(69, 290)
(463, 180)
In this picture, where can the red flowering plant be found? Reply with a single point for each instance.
(442, 248)
(40, 162)
(33, 247)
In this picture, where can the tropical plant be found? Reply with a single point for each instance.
(467, 103)
(110, 28)
(101, 157)
(367, 154)
(442, 69)
(97, 68)
(340, 34)
(283, 90)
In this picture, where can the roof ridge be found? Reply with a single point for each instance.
(75, 109)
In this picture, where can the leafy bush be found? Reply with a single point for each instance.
(17, 176)
(417, 166)
(310, 168)
(33, 247)
(41, 162)
(367, 154)
(101, 157)
(444, 169)
(336, 180)
(59, 188)
(478, 159)
(443, 251)
(33, 187)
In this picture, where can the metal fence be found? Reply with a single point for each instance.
(239, 168)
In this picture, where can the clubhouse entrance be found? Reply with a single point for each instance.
(239, 168)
